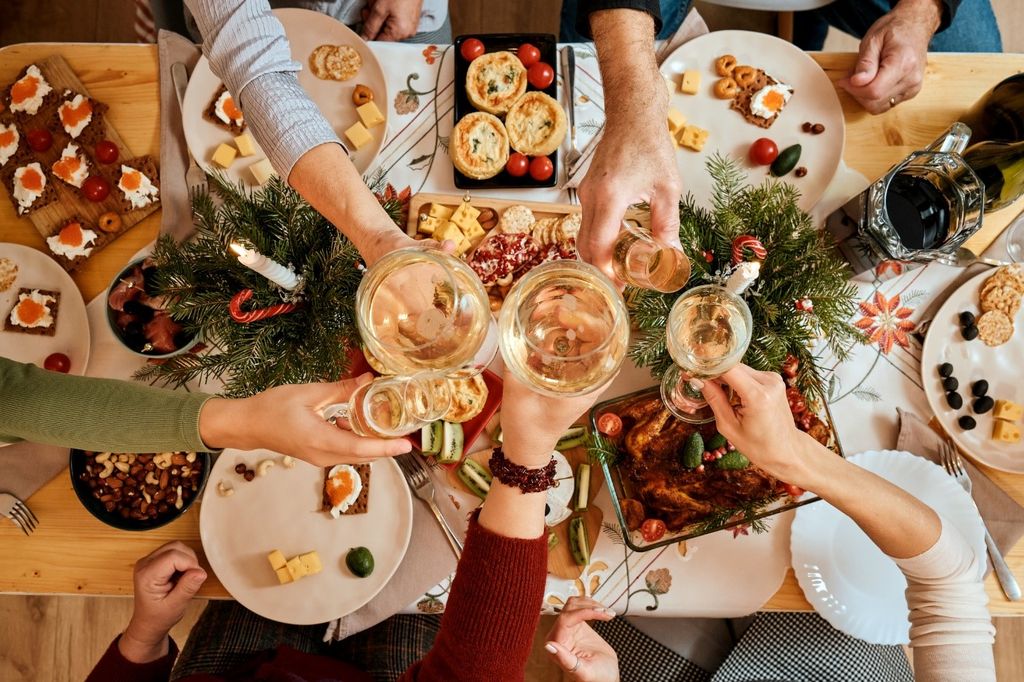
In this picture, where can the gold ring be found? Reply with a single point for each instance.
(892, 102)
(576, 666)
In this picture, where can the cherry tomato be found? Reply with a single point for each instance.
(652, 530)
(95, 188)
(541, 168)
(471, 49)
(763, 151)
(518, 165)
(528, 54)
(40, 140)
(609, 424)
(57, 362)
(106, 151)
(540, 75)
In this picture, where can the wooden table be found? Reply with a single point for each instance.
(125, 77)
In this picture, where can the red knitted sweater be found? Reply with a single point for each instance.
(486, 631)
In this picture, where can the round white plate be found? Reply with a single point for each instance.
(814, 99)
(973, 360)
(848, 580)
(306, 30)
(36, 270)
(282, 511)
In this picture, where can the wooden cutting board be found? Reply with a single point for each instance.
(71, 203)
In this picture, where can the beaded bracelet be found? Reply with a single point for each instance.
(516, 476)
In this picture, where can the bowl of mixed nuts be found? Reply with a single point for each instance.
(138, 491)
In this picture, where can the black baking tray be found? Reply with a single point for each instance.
(496, 42)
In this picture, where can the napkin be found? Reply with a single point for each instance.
(27, 467)
(1003, 516)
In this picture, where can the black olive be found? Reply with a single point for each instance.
(966, 318)
(955, 400)
(979, 388)
(969, 332)
(967, 423)
(135, 308)
(950, 383)
(945, 370)
(983, 404)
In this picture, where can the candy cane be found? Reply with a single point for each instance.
(745, 242)
(239, 315)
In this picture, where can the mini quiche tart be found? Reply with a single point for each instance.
(535, 124)
(495, 81)
(479, 145)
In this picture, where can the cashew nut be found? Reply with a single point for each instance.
(121, 466)
(263, 467)
(288, 461)
(177, 500)
(102, 457)
(108, 468)
(190, 457)
(224, 490)
(147, 497)
(152, 479)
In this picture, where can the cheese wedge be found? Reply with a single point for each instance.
(1005, 432)
(1007, 409)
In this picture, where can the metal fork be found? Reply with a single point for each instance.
(954, 466)
(18, 512)
(195, 177)
(418, 478)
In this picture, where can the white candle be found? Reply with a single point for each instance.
(742, 277)
(254, 260)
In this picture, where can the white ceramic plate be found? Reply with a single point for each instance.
(814, 99)
(282, 511)
(306, 30)
(36, 270)
(973, 360)
(848, 580)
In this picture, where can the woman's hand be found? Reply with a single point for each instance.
(579, 650)
(288, 420)
(165, 582)
(762, 426)
(391, 20)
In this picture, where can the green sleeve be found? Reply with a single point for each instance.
(95, 414)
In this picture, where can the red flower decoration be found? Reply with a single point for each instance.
(742, 529)
(390, 194)
(886, 323)
(887, 266)
(430, 53)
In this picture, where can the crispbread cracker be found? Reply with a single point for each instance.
(8, 273)
(36, 331)
(335, 62)
(362, 503)
(147, 166)
(995, 328)
(1003, 298)
(210, 114)
(468, 399)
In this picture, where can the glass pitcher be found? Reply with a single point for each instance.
(922, 210)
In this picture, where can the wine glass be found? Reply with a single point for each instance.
(422, 309)
(393, 406)
(563, 328)
(641, 261)
(709, 330)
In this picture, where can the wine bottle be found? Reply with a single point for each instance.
(1000, 165)
(999, 115)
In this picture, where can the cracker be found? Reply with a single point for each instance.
(1001, 298)
(545, 231)
(1010, 276)
(48, 196)
(335, 62)
(48, 99)
(516, 219)
(147, 166)
(362, 503)
(8, 273)
(569, 226)
(468, 399)
(995, 328)
(96, 129)
(35, 331)
(210, 114)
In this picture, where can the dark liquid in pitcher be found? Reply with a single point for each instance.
(918, 211)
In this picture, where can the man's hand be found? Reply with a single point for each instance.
(893, 55)
(579, 650)
(287, 419)
(165, 582)
(635, 160)
(391, 20)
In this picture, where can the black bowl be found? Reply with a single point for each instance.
(119, 333)
(76, 466)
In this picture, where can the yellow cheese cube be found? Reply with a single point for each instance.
(1007, 409)
(464, 214)
(462, 245)
(224, 156)
(262, 171)
(246, 145)
(311, 563)
(676, 120)
(690, 82)
(358, 135)
(429, 224)
(295, 568)
(449, 231)
(276, 559)
(370, 115)
(1005, 432)
(693, 137)
(283, 576)
(474, 232)
(440, 211)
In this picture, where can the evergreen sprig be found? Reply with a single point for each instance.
(800, 264)
(200, 277)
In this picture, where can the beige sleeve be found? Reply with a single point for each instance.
(951, 630)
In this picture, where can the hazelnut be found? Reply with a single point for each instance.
(817, 129)
(800, 172)
(249, 475)
(240, 468)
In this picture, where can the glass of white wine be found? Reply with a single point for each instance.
(393, 406)
(709, 331)
(424, 310)
(641, 261)
(564, 329)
